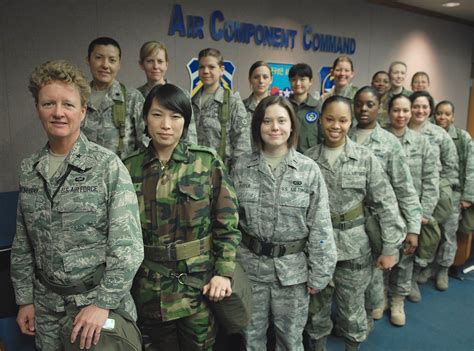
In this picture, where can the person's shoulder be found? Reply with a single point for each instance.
(200, 151)
(100, 154)
(28, 163)
(135, 155)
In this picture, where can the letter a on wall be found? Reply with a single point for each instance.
(196, 84)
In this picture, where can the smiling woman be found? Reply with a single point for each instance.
(76, 204)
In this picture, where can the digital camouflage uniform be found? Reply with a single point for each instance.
(382, 116)
(425, 175)
(445, 152)
(145, 89)
(99, 125)
(308, 113)
(391, 156)
(468, 192)
(208, 125)
(281, 207)
(85, 216)
(250, 105)
(355, 177)
(191, 136)
(193, 198)
(349, 92)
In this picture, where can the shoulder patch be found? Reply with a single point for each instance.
(311, 117)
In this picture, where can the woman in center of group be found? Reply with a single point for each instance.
(188, 212)
(284, 212)
(353, 177)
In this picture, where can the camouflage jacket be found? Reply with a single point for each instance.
(67, 226)
(308, 114)
(444, 151)
(208, 125)
(250, 105)
(194, 198)
(349, 92)
(468, 193)
(423, 169)
(191, 136)
(357, 177)
(461, 140)
(391, 156)
(290, 205)
(99, 125)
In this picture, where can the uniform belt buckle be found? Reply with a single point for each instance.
(171, 251)
(266, 249)
(343, 225)
(179, 277)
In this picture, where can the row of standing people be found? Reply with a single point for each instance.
(274, 182)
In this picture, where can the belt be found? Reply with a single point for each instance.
(263, 248)
(182, 277)
(350, 264)
(76, 287)
(349, 224)
(178, 252)
(350, 219)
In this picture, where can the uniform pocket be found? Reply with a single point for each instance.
(354, 182)
(194, 203)
(84, 258)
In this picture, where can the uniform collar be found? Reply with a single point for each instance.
(78, 157)
(452, 132)
(310, 101)
(180, 154)
(113, 94)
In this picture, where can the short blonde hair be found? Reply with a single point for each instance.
(59, 71)
(150, 47)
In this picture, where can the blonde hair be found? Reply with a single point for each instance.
(396, 63)
(59, 71)
(150, 47)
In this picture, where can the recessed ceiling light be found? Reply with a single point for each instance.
(451, 4)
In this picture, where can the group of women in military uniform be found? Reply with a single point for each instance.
(221, 181)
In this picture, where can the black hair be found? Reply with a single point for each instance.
(172, 98)
(103, 41)
(395, 98)
(444, 102)
(301, 70)
(425, 94)
(336, 98)
(380, 72)
(367, 89)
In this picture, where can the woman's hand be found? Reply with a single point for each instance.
(411, 243)
(217, 288)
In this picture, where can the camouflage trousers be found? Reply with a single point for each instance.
(193, 333)
(286, 306)
(401, 275)
(350, 282)
(397, 281)
(47, 327)
(374, 295)
(448, 245)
